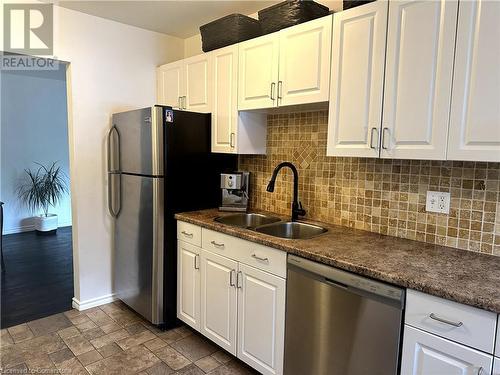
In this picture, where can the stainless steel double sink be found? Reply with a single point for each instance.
(272, 225)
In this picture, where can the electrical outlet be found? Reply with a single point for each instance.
(438, 201)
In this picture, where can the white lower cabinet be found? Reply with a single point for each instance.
(261, 319)
(237, 299)
(188, 284)
(218, 300)
(428, 354)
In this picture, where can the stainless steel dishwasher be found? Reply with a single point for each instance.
(339, 323)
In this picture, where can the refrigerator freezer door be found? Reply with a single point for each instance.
(140, 138)
(139, 246)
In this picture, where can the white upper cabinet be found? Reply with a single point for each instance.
(233, 132)
(475, 109)
(225, 98)
(171, 84)
(304, 62)
(186, 84)
(418, 79)
(288, 67)
(198, 83)
(258, 72)
(357, 79)
(426, 354)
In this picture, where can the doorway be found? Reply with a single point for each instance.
(37, 272)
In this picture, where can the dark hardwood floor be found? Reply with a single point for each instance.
(38, 277)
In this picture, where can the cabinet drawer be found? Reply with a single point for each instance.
(461, 323)
(265, 258)
(255, 255)
(189, 233)
(222, 244)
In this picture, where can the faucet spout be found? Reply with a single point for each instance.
(296, 205)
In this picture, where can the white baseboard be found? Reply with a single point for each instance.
(29, 228)
(23, 228)
(84, 305)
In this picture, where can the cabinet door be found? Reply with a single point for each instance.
(475, 108)
(218, 300)
(170, 84)
(188, 284)
(418, 79)
(426, 354)
(357, 80)
(304, 62)
(198, 84)
(225, 99)
(258, 72)
(261, 318)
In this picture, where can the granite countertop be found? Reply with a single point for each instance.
(459, 275)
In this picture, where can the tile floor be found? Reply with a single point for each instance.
(110, 339)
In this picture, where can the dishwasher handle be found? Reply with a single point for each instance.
(335, 283)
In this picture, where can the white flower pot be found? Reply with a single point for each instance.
(46, 224)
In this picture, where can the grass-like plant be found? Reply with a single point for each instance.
(42, 188)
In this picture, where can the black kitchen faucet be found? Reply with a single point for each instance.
(297, 209)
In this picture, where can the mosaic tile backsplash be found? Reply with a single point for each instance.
(382, 196)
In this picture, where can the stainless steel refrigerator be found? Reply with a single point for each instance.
(159, 163)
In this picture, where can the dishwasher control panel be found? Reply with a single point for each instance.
(346, 279)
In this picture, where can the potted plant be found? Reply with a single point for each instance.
(42, 188)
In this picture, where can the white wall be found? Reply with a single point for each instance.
(34, 128)
(112, 68)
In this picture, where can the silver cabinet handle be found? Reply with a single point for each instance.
(187, 234)
(255, 256)
(480, 371)
(239, 280)
(179, 104)
(217, 244)
(273, 86)
(445, 321)
(383, 138)
(197, 262)
(371, 139)
(185, 102)
(231, 277)
(231, 140)
(280, 89)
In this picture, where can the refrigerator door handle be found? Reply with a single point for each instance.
(110, 196)
(111, 154)
(158, 251)
(112, 171)
(111, 193)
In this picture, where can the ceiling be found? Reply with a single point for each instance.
(180, 18)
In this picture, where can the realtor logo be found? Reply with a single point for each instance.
(28, 29)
